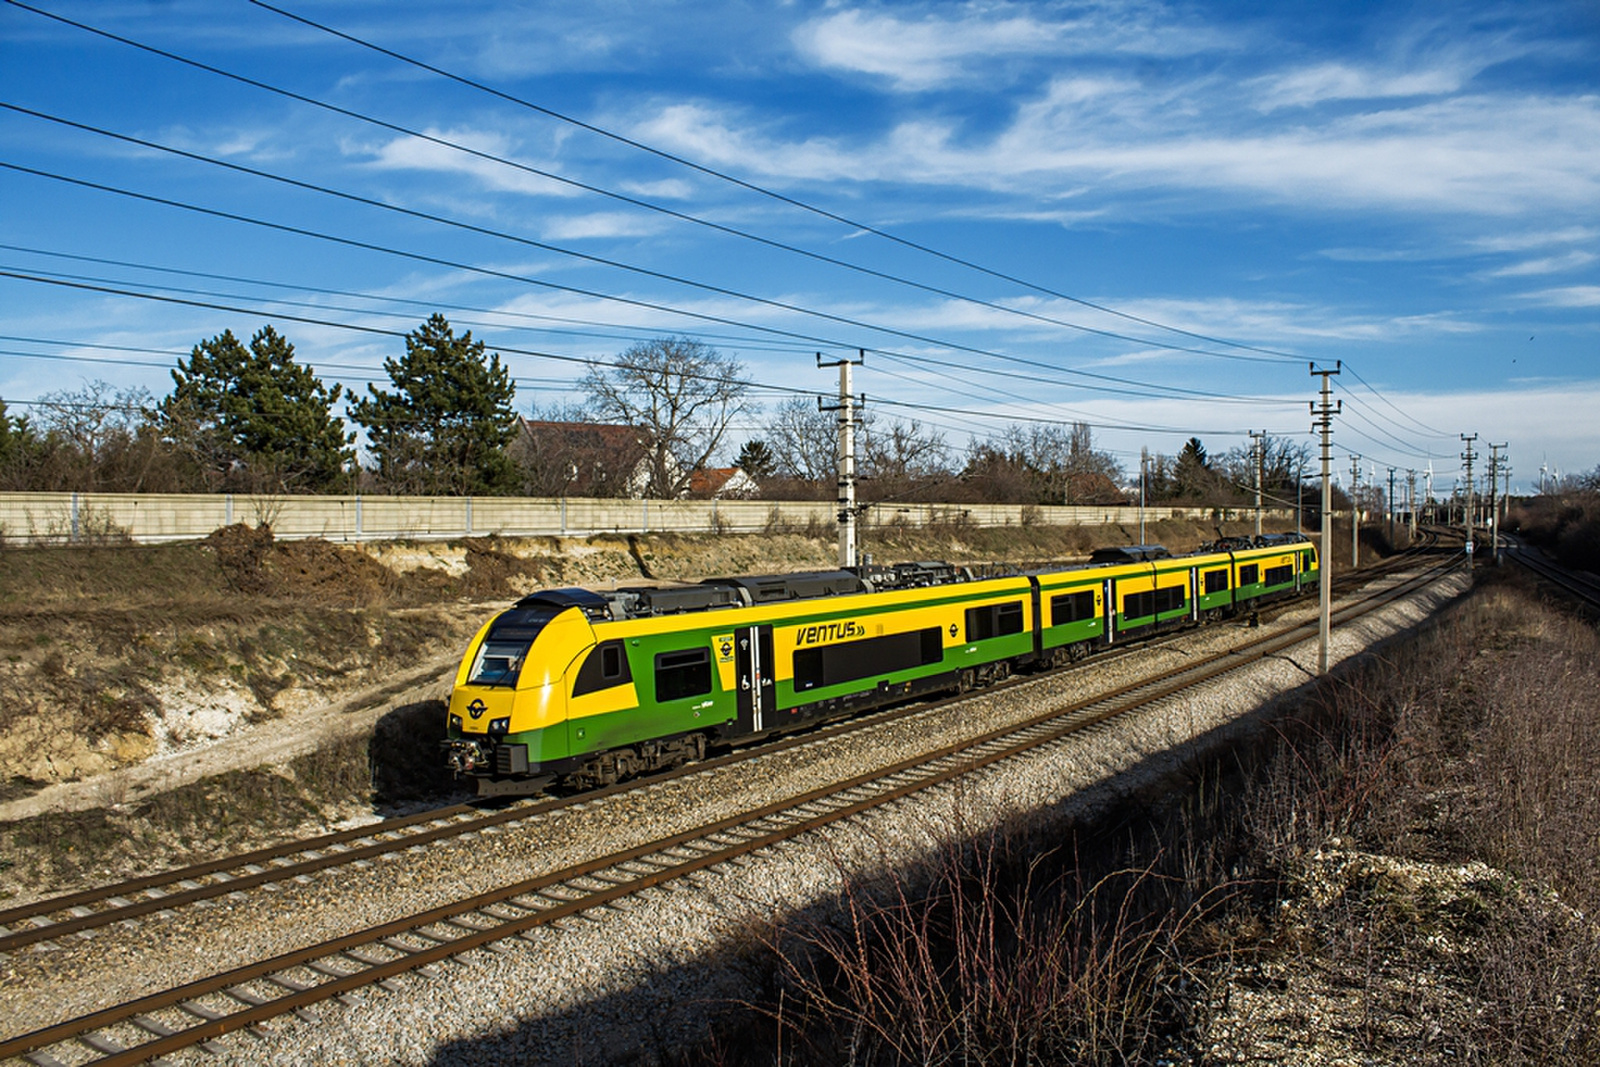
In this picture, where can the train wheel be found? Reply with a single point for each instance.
(969, 682)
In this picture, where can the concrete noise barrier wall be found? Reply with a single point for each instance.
(87, 518)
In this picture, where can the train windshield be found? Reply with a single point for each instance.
(505, 649)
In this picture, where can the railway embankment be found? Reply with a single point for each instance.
(578, 991)
(161, 704)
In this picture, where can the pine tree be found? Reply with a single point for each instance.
(253, 417)
(1191, 474)
(445, 428)
(756, 459)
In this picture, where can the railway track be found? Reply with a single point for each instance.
(160, 894)
(1585, 587)
(292, 982)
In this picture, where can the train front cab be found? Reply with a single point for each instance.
(508, 713)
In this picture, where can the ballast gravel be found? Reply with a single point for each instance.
(630, 982)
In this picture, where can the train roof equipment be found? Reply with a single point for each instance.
(647, 601)
(1129, 554)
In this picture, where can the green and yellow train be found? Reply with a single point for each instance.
(589, 687)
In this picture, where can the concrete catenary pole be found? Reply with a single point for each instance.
(1388, 506)
(1355, 512)
(848, 404)
(1258, 448)
(1411, 500)
(1494, 503)
(1323, 421)
(1144, 465)
(1469, 456)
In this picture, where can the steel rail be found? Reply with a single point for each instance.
(1579, 585)
(618, 876)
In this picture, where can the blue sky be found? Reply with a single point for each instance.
(1175, 207)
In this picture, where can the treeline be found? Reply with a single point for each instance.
(249, 417)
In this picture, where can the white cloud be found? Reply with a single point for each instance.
(1523, 241)
(1572, 296)
(417, 154)
(919, 54)
(1546, 265)
(602, 224)
(665, 189)
(935, 49)
(1373, 255)
(1483, 154)
(1338, 81)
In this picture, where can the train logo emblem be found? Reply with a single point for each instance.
(953, 630)
(477, 708)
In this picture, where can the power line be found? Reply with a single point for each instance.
(1373, 390)
(1143, 388)
(648, 205)
(587, 362)
(356, 327)
(683, 216)
(639, 333)
(595, 259)
(751, 186)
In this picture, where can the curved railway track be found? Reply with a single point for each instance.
(200, 1011)
(159, 894)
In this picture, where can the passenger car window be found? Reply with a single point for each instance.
(683, 674)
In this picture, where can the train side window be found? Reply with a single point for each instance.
(1071, 607)
(683, 674)
(1170, 598)
(605, 666)
(1279, 575)
(1216, 582)
(869, 657)
(1138, 605)
(994, 620)
(1249, 573)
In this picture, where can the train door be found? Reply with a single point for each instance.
(754, 668)
(1111, 609)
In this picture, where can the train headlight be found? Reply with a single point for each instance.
(455, 722)
(500, 726)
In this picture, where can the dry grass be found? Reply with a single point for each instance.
(1402, 871)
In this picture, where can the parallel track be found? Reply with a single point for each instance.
(163, 892)
(1584, 587)
(200, 1011)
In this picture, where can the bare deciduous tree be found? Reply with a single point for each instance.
(805, 440)
(98, 438)
(682, 393)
